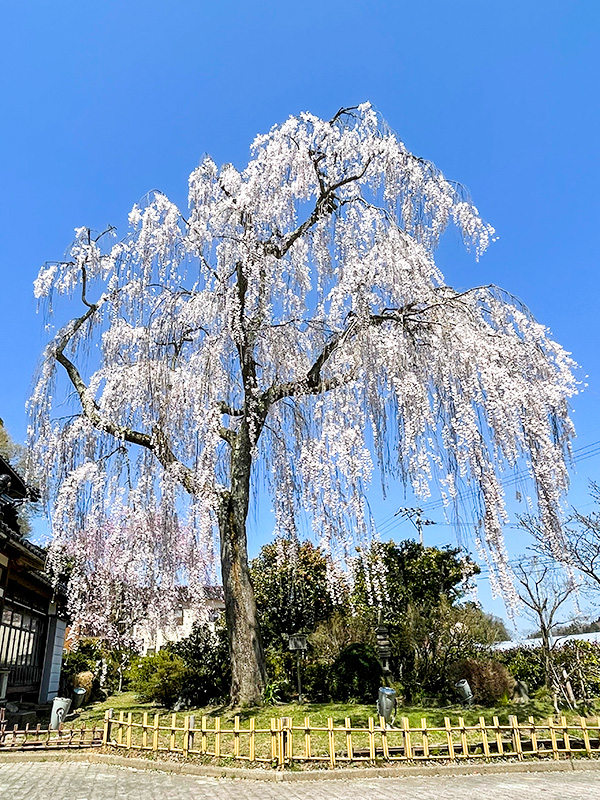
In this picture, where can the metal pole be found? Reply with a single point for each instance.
(298, 674)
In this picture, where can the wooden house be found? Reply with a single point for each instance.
(32, 622)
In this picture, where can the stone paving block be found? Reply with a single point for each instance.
(55, 780)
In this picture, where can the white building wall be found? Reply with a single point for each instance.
(180, 628)
(52, 665)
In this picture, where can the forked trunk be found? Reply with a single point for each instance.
(248, 671)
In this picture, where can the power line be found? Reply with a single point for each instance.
(391, 522)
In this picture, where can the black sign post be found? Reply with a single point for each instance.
(298, 643)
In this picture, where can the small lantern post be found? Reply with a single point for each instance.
(297, 642)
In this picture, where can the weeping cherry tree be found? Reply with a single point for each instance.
(290, 329)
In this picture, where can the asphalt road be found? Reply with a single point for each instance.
(82, 781)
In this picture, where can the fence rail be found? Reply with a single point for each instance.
(285, 742)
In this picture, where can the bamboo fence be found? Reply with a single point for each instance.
(38, 738)
(286, 742)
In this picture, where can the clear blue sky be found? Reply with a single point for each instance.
(103, 101)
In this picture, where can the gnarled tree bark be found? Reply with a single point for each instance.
(248, 670)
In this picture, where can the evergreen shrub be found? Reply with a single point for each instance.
(158, 678)
(205, 655)
(356, 674)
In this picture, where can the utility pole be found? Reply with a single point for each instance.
(415, 515)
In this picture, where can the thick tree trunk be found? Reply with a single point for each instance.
(248, 671)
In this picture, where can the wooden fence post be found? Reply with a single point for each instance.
(217, 737)
(586, 736)
(155, 732)
(463, 737)
(498, 733)
(252, 744)
(565, 727)
(349, 748)
(172, 742)
(203, 737)
(384, 739)
(145, 731)
(331, 739)
(424, 737)
(191, 730)
(120, 728)
(552, 730)
(129, 731)
(448, 727)
(236, 736)
(186, 734)
(107, 726)
(287, 739)
(280, 749)
(307, 752)
(406, 736)
(371, 738)
(274, 753)
(484, 739)
(516, 736)
(533, 736)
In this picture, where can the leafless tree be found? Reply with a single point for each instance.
(579, 546)
(543, 589)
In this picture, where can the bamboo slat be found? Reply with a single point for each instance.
(371, 739)
(307, 751)
(424, 737)
(217, 737)
(348, 730)
(252, 738)
(331, 741)
(448, 728)
(585, 734)
(485, 744)
(406, 738)
(145, 731)
(463, 737)
(129, 730)
(384, 739)
(204, 738)
(552, 731)
(516, 736)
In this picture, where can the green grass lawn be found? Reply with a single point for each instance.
(320, 712)
(226, 735)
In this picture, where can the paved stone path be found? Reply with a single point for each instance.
(81, 781)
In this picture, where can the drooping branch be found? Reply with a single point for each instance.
(155, 442)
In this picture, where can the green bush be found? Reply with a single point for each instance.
(281, 666)
(525, 664)
(317, 681)
(489, 680)
(205, 656)
(356, 674)
(581, 661)
(158, 678)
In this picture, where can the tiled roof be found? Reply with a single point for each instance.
(18, 487)
(18, 542)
